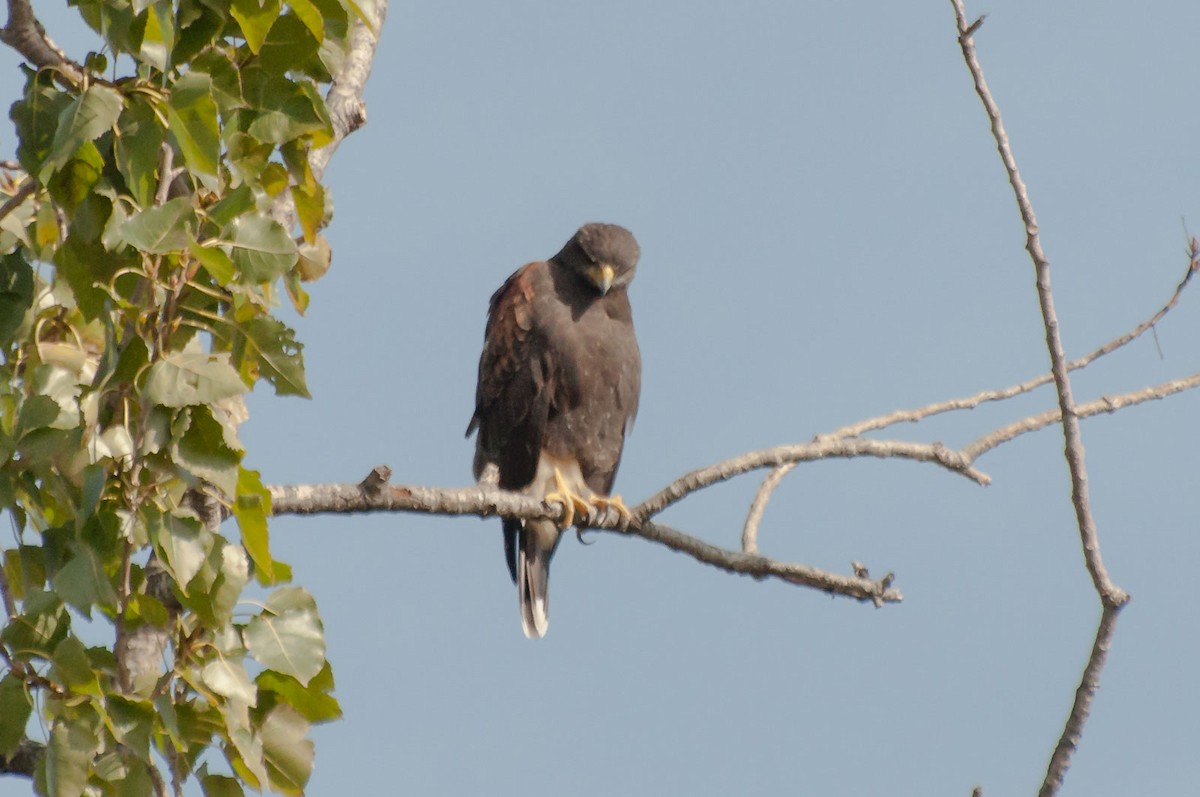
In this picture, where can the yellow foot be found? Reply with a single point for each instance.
(571, 502)
(613, 502)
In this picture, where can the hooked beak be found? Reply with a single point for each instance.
(602, 276)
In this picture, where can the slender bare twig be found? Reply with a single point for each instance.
(821, 448)
(28, 187)
(759, 505)
(1084, 695)
(1111, 596)
(1104, 404)
(1109, 592)
(971, 402)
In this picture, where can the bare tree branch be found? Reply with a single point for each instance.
(821, 448)
(1111, 596)
(24, 760)
(1104, 404)
(971, 402)
(28, 187)
(1082, 707)
(345, 96)
(26, 35)
(374, 494)
(484, 501)
(344, 99)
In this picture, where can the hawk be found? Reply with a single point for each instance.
(558, 389)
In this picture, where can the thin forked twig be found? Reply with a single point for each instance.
(971, 402)
(759, 505)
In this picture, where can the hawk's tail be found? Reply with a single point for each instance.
(538, 539)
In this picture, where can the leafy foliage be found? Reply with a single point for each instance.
(139, 269)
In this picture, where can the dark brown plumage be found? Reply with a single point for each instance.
(558, 388)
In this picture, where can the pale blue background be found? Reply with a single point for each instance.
(827, 235)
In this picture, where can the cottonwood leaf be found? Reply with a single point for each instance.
(85, 119)
(260, 247)
(192, 113)
(228, 678)
(291, 641)
(189, 378)
(286, 750)
(161, 230)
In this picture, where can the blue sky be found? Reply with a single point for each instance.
(827, 235)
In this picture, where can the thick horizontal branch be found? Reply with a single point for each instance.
(375, 495)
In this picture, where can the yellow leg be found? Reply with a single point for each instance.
(615, 503)
(571, 502)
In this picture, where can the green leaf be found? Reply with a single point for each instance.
(16, 294)
(310, 15)
(246, 757)
(16, 704)
(261, 248)
(74, 183)
(220, 786)
(286, 750)
(36, 117)
(159, 37)
(192, 113)
(248, 156)
(227, 677)
(183, 543)
(291, 642)
(289, 46)
(94, 479)
(280, 356)
(189, 378)
(235, 203)
(68, 755)
(310, 209)
(90, 114)
(196, 31)
(138, 147)
(286, 110)
(255, 19)
(85, 263)
(37, 412)
(313, 702)
(146, 609)
(218, 264)
(132, 722)
(251, 508)
(232, 579)
(40, 627)
(83, 583)
(209, 450)
(161, 230)
(73, 669)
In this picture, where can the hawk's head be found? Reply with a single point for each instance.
(605, 255)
